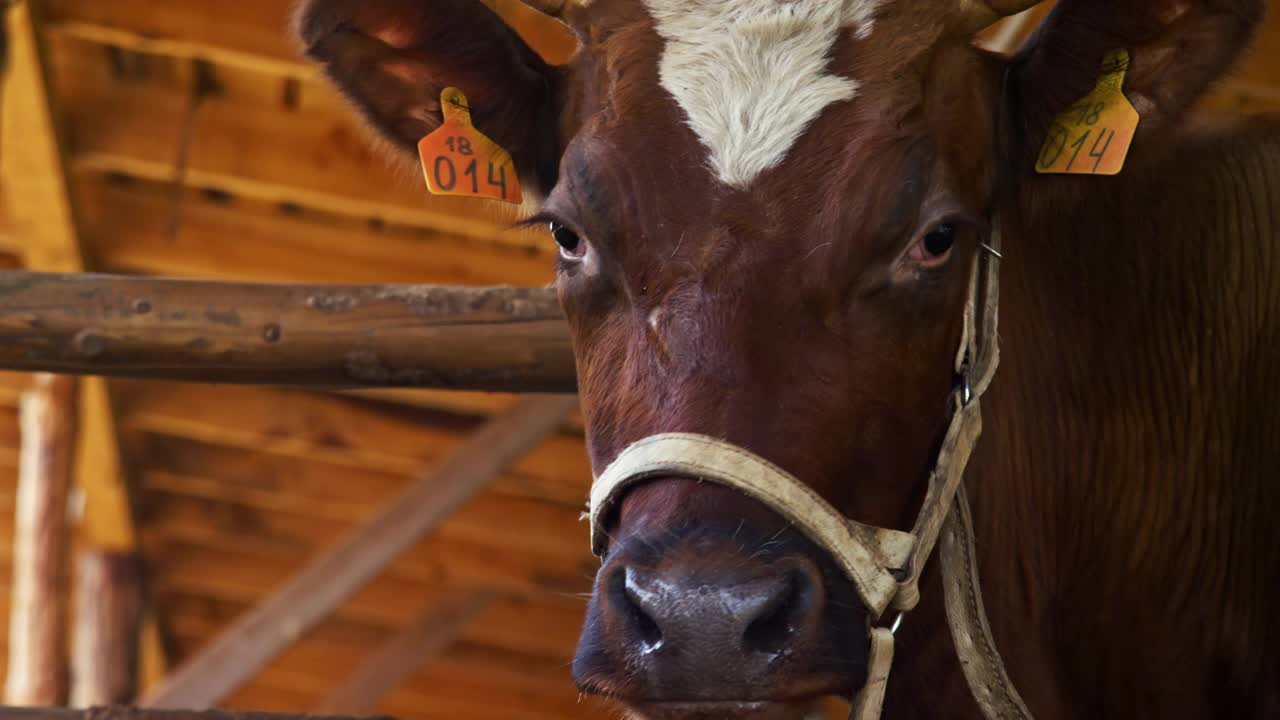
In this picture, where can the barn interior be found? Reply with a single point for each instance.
(187, 139)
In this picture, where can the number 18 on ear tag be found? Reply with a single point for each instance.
(458, 160)
(1094, 135)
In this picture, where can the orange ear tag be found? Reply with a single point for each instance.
(1094, 135)
(458, 160)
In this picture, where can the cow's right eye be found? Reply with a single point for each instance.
(571, 246)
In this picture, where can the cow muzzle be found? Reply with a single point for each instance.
(737, 623)
(720, 631)
(708, 599)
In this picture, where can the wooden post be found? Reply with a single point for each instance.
(40, 205)
(37, 667)
(420, 641)
(104, 656)
(237, 654)
(499, 339)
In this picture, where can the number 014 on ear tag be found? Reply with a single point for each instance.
(1094, 135)
(458, 160)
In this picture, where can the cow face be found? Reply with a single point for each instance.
(767, 217)
(767, 211)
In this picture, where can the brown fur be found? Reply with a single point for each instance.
(1124, 488)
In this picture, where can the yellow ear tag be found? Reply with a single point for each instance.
(1094, 135)
(458, 160)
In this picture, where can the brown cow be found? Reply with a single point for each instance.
(767, 211)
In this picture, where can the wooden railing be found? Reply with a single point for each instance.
(325, 336)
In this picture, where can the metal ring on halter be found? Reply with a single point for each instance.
(893, 627)
(966, 389)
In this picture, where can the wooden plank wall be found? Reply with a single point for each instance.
(238, 487)
(237, 497)
(227, 516)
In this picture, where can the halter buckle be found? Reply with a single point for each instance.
(966, 389)
(893, 626)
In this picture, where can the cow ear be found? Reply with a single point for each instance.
(392, 59)
(1176, 47)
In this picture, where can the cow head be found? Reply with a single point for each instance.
(767, 212)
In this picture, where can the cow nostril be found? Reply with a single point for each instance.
(639, 605)
(770, 632)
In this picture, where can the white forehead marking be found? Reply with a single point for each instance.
(752, 74)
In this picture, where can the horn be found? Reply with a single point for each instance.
(1005, 8)
(975, 16)
(554, 8)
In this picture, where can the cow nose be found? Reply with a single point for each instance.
(686, 624)
(752, 616)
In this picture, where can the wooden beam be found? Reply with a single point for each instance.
(423, 639)
(514, 708)
(311, 595)
(183, 49)
(504, 339)
(257, 29)
(108, 615)
(128, 713)
(239, 240)
(37, 665)
(287, 191)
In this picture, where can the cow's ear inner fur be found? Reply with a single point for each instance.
(392, 58)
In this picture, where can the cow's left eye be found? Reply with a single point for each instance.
(572, 247)
(938, 241)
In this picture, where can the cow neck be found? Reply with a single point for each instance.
(883, 564)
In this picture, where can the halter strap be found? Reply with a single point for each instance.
(983, 667)
(866, 554)
(976, 362)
